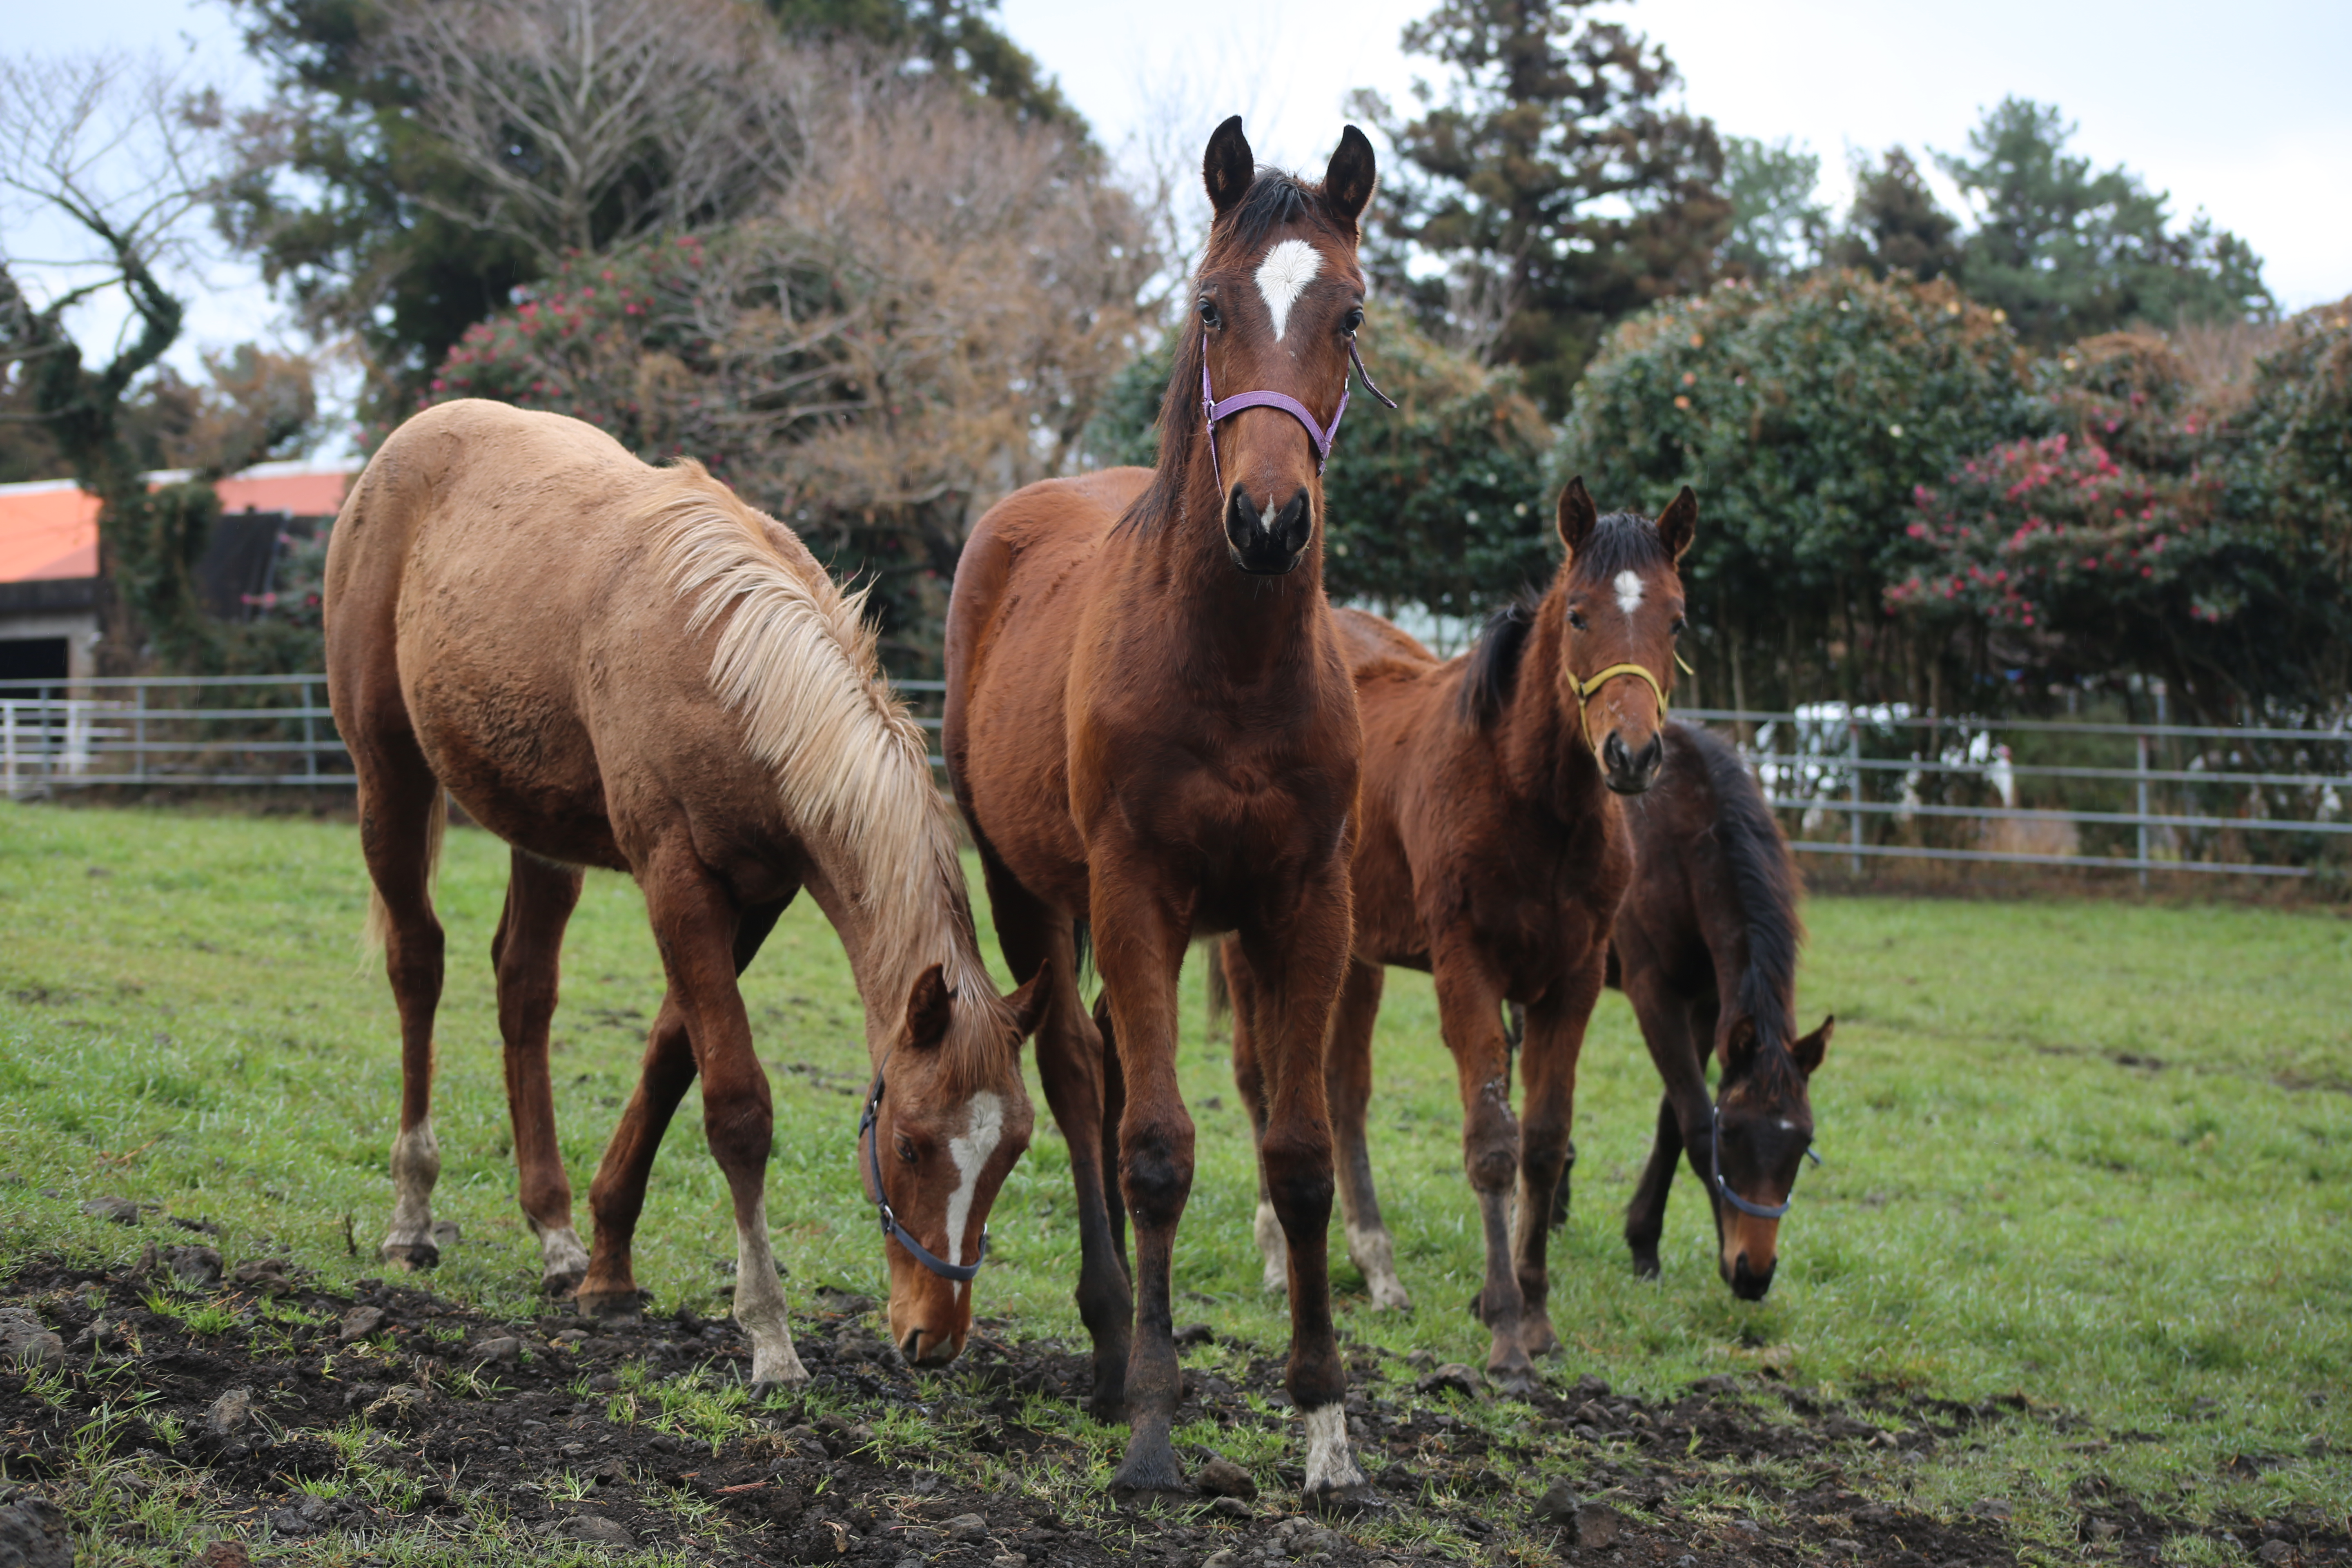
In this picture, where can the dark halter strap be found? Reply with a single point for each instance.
(1715, 1158)
(1320, 436)
(869, 1133)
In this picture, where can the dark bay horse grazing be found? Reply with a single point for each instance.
(614, 665)
(1491, 852)
(1706, 949)
(1153, 735)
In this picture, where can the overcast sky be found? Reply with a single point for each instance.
(2240, 110)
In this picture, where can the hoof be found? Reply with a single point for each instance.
(1520, 1383)
(1358, 1501)
(562, 1282)
(1150, 1473)
(1537, 1338)
(410, 1254)
(1645, 1267)
(627, 1305)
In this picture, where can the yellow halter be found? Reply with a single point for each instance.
(1587, 689)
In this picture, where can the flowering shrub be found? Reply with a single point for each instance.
(1804, 412)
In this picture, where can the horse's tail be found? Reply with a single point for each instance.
(1221, 993)
(373, 936)
(1763, 876)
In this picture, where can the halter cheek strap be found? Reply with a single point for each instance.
(869, 1132)
(1715, 1158)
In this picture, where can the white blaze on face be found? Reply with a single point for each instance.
(983, 1129)
(1629, 592)
(1283, 276)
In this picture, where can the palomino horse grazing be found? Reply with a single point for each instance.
(1153, 735)
(619, 666)
(1706, 949)
(1490, 851)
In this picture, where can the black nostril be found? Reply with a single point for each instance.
(1654, 755)
(911, 1344)
(1612, 751)
(1243, 518)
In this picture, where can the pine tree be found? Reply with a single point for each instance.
(1553, 176)
(1896, 225)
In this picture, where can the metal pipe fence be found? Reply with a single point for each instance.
(1867, 784)
(1880, 783)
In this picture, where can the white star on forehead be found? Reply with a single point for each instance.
(1286, 270)
(1628, 591)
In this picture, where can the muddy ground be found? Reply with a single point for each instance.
(429, 1421)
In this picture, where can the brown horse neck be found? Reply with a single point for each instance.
(1540, 736)
(1244, 627)
(891, 940)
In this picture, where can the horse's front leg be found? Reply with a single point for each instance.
(1141, 928)
(1548, 1067)
(525, 952)
(696, 926)
(1298, 959)
(1470, 1016)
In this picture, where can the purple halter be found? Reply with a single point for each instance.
(1319, 437)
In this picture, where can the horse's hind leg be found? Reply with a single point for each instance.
(617, 1196)
(1348, 1086)
(1470, 1014)
(1249, 1081)
(402, 814)
(540, 895)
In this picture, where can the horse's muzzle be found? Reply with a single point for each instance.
(1748, 1285)
(1267, 546)
(923, 1347)
(1629, 772)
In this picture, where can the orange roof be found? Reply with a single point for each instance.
(49, 529)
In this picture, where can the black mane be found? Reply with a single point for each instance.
(1621, 542)
(1495, 662)
(1764, 885)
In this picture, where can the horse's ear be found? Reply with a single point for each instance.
(1738, 1046)
(929, 1009)
(1809, 1050)
(1229, 166)
(1348, 183)
(1577, 516)
(1028, 1004)
(1678, 523)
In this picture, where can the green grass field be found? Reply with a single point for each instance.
(2098, 1154)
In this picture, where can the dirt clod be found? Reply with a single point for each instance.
(196, 1267)
(33, 1532)
(593, 1526)
(1221, 1478)
(358, 1324)
(1454, 1377)
(122, 1211)
(229, 1412)
(1559, 1505)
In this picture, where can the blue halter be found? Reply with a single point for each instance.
(869, 1132)
(1715, 1160)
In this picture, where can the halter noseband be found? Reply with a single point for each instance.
(869, 1132)
(1319, 436)
(1586, 689)
(1715, 1159)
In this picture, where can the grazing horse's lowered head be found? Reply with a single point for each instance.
(1762, 1132)
(944, 1123)
(1276, 305)
(1620, 596)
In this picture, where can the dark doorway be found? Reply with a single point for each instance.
(32, 658)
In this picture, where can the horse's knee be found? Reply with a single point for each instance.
(741, 1130)
(1155, 1170)
(1299, 1180)
(1490, 1148)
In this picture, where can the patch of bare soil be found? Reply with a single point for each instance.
(520, 1412)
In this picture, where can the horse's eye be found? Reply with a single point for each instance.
(905, 1149)
(1355, 319)
(1576, 620)
(1677, 627)
(1209, 314)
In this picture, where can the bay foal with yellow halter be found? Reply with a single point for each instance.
(1491, 852)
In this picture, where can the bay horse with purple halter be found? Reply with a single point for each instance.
(1491, 851)
(1153, 735)
(614, 665)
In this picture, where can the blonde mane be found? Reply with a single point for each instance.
(796, 660)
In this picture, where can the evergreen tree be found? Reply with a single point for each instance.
(2068, 253)
(1554, 176)
(1896, 224)
(1778, 225)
